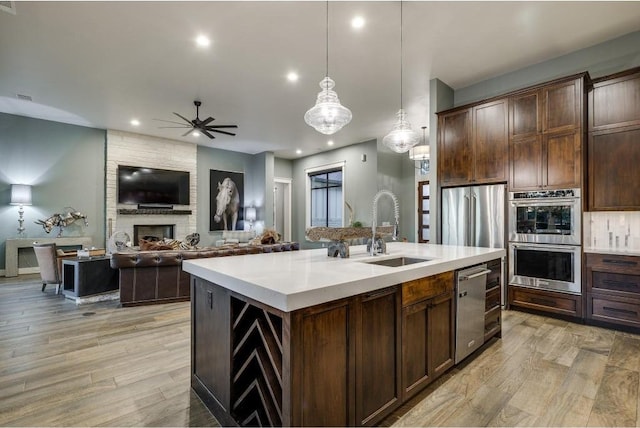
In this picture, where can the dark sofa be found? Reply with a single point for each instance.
(148, 277)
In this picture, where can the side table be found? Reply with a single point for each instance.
(86, 276)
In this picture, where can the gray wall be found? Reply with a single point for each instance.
(283, 168)
(253, 167)
(65, 164)
(360, 184)
(602, 59)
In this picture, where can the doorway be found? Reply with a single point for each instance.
(282, 207)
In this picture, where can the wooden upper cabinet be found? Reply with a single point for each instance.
(614, 170)
(562, 106)
(545, 136)
(524, 115)
(615, 101)
(490, 141)
(526, 163)
(473, 144)
(455, 149)
(613, 157)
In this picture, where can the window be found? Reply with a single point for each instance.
(325, 199)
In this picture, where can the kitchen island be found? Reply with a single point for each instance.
(300, 339)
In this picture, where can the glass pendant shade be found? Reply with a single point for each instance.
(402, 137)
(328, 116)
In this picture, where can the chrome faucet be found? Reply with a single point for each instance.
(378, 245)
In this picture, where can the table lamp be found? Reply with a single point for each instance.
(21, 196)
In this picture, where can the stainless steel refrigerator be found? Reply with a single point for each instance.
(474, 216)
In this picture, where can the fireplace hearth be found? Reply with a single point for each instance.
(152, 232)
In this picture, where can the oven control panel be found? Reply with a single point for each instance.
(544, 194)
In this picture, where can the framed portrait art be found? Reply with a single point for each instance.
(226, 200)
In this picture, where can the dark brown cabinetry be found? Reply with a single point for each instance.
(546, 301)
(614, 133)
(493, 311)
(472, 144)
(428, 318)
(545, 136)
(377, 355)
(613, 289)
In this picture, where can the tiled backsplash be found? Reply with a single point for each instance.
(612, 230)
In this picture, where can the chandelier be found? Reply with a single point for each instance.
(402, 137)
(328, 116)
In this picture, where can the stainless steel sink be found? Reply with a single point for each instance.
(397, 261)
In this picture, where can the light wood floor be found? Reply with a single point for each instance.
(101, 365)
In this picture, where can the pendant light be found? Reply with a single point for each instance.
(420, 153)
(328, 116)
(402, 137)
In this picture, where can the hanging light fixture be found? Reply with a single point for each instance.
(402, 137)
(420, 153)
(328, 116)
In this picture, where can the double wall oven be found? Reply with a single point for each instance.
(544, 240)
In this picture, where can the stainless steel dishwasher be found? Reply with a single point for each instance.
(470, 304)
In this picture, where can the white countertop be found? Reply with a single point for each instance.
(615, 251)
(294, 280)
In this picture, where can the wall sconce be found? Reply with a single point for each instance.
(250, 215)
(21, 196)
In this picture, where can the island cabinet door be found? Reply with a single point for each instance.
(427, 342)
(210, 338)
(378, 387)
(319, 385)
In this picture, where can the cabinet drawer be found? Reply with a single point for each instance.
(425, 288)
(608, 281)
(547, 301)
(614, 309)
(613, 263)
(492, 323)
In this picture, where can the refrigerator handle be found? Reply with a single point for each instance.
(473, 218)
(467, 238)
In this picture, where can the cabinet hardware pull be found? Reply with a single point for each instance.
(620, 262)
(622, 311)
(210, 299)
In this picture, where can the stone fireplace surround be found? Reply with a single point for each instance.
(124, 148)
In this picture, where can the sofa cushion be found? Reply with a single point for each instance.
(241, 235)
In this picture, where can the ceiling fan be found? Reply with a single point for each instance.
(198, 125)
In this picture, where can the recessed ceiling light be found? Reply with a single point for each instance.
(330, 143)
(195, 133)
(298, 152)
(292, 76)
(357, 22)
(203, 41)
(135, 122)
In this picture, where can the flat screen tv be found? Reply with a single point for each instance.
(137, 185)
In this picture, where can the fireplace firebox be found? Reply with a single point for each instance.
(152, 232)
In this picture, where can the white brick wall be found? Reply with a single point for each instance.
(125, 148)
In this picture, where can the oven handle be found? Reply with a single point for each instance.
(543, 202)
(560, 248)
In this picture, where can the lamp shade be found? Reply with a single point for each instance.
(20, 194)
(250, 214)
(419, 153)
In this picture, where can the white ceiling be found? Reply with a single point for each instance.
(100, 64)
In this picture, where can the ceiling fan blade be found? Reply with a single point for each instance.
(207, 120)
(205, 132)
(181, 127)
(183, 118)
(221, 126)
(169, 121)
(187, 133)
(221, 132)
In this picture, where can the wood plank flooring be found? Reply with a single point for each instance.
(102, 365)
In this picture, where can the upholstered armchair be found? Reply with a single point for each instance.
(47, 257)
